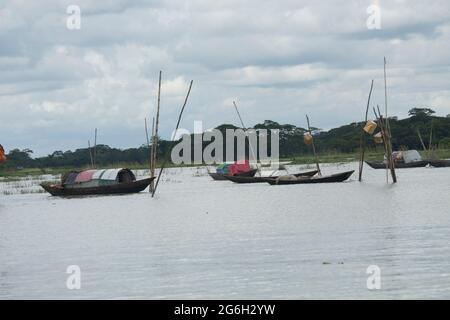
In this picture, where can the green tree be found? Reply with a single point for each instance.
(421, 112)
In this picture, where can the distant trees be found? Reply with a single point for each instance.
(341, 139)
(19, 158)
(421, 112)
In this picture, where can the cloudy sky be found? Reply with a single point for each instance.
(278, 59)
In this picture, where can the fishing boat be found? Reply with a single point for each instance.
(238, 168)
(97, 182)
(337, 177)
(223, 177)
(402, 160)
(439, 163)
(242, 179)
(397, 165)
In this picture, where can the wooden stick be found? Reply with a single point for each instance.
(174, 133)
(155, 135)
(245, 130)
(95, 149)
(152, 156)
(387, 147)
(314, 148)
(362, 142)
(90, 154)
(430, 146)
(421, 141)
(388, 127)
(148, 146)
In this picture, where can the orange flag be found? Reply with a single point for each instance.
(2, 154)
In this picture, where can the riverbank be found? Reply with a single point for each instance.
(329, 157)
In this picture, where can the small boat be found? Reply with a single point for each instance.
(337, 177)
(241, 179)
(238, 168)
(222, 177)
(397, 165)
(97, 182)
(402, 160)
(439, 163)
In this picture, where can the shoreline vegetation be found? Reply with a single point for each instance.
(305, 159)
(336, 145)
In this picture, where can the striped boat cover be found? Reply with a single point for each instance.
(89, 175)
(84, 176)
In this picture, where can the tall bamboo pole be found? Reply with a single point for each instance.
(388, 163)
(176, 129)
(362, 141)
(245, 130)
(152, 155)
(155, 135)
(319, 172)
(387, 146)
(430, 145)
(90, 154)
(421, 141)
(95, 149)
(148, 148)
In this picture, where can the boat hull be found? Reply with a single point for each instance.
(338, 177)
(120, 188)
(439, 163)
(264, 179)
(382, 165)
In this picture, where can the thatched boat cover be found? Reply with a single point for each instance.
(119, 175)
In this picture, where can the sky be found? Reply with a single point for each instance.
(278, 60)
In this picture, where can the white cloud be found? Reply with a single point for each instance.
(279, 60)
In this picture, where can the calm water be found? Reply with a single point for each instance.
(209, 239)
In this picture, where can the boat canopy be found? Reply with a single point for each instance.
(407, 156)
(233, 168)
(119, 175)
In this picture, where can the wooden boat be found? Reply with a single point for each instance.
(120, 188)
(241, 179)
(223, 177)
(439, 163)
(398, 165)
(337, 177)
(97, 182)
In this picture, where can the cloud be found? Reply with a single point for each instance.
(278, 60)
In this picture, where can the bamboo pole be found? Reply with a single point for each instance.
(95, 149)
(362, 142)
(152, 155)
(155, 135)
(386, 113)
(387, 147)
(148, 148)
(314, 148)
(245, 130)
(90, 154)
(421, 141)
(176, 129)
(430, 145)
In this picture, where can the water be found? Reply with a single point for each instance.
(204, 239)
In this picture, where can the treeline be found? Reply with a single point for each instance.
(343, 139)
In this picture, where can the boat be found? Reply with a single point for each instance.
(242, 179)
(238, 168)
(337, 177)
(401, 160)
(397, 165)
(439, 163)
(223, 177)
(97, 182)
